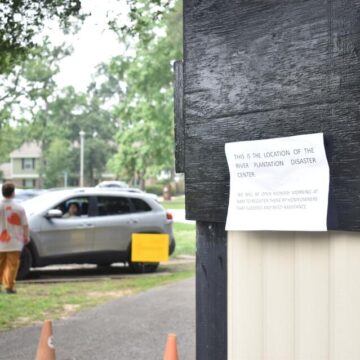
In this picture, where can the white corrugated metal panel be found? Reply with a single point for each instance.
(293, 296)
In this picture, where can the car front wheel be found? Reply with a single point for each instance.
(25, 263)
(142, 268)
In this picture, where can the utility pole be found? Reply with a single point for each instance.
(82, 140)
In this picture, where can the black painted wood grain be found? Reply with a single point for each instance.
(211, 292)
(263, 69)
(179, 118)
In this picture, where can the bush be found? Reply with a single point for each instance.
(155, 189)
(158, 189)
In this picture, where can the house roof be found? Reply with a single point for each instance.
(27, 150)
(5, 168)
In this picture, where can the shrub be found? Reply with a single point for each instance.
(155, 189)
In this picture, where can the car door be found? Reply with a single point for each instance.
(113, 224)
(68, 235)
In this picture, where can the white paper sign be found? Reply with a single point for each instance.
(278, 184)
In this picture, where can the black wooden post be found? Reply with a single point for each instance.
(255, 70)
(211, 259)
(179, 117)
(211, 289)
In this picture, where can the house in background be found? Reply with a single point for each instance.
(24, 166)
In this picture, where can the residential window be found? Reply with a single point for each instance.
(28, 164)
(29, 183)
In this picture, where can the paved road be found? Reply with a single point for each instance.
(133, 327)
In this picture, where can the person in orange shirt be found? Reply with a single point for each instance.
(14, 234)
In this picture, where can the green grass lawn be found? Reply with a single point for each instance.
(36, 302)
(185, 238)
(185, 234)
(175, 203)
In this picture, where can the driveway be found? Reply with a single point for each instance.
(133, 327)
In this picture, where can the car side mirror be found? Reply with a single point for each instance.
(54, 213)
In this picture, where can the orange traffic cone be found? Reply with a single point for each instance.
(46, 348)
(171, 348)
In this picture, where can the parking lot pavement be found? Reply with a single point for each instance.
(133, 327)
(91, 272)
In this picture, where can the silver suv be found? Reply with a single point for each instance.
(99, 232)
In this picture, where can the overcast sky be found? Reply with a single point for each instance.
(93, 44)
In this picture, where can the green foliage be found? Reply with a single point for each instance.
(53, 113)
(155, 189)
(97, 153)
(146, 138)
(68, 114)
(139, 128)
(144, 16)
(10, 139)
(21, 20)
(26, 92)
(57, 162)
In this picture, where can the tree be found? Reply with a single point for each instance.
(50, 113)
(73, 112)
(39, 71)
(10, 139)
(21, 20)
(29, 95)
(27, 91)
(146, 109)
(67, 114)
(38, 89)
(58, 157)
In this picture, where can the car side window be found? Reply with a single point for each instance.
(112, 205)
(74, 207)
(140, 205)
